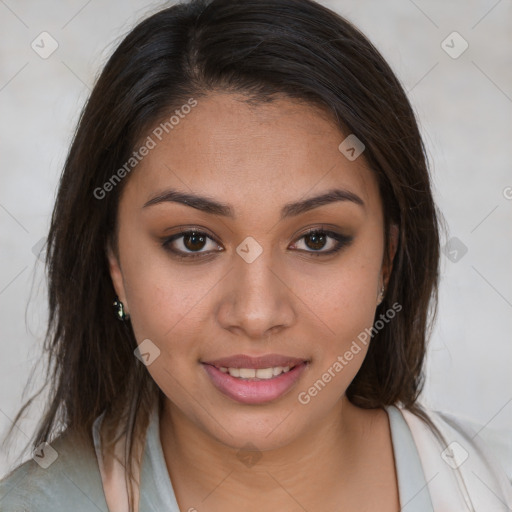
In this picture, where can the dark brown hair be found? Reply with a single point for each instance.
(263, 49)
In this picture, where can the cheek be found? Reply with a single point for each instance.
(164, 308)
(351, 305)
(168, 311)
(346, 305)
(348, 296)
(162, 301)
(348, 311)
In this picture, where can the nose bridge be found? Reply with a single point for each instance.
(257, 300)
(256, 279)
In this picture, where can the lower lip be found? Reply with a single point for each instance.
(254, 391)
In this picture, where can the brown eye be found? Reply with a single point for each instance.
(189, 244)
(317, 239)
(194, 241)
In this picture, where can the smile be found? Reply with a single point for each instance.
(253, 373)
(253, 386)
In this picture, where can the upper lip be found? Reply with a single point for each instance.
(246, 361)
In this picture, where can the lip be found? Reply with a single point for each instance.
(252, 391)
(246, 361)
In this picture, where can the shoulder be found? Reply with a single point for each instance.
(66, 477)
(494, 444)
(469, 461)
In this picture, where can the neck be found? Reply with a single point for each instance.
(327, 456)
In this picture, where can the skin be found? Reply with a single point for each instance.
(287, 301)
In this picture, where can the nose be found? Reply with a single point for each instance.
(257, 299)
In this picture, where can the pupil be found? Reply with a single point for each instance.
(318, 240)
(195, 238)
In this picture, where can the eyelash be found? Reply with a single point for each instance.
(341, 240)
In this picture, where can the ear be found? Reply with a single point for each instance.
(387, 266)
(116, 275)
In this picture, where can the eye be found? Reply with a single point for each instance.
(188, 244)
(194, 243)
(318, 239)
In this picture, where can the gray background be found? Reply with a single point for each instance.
(464, 107)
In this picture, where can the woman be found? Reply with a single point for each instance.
(249, 189)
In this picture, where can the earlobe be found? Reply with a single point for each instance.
(116, 274)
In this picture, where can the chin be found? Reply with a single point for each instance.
(251, 435)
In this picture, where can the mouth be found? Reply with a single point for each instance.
(253, 380)
(258, 374)
(247, 362)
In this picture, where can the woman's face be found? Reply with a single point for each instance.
(252, 282)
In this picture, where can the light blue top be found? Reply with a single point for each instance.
(73, 481)
(412, 486)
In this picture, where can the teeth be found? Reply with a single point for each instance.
(251, 373)
(264, 373)
(246, 373)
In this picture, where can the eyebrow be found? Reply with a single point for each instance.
(214, 207)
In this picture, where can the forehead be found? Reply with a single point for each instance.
(261, 155)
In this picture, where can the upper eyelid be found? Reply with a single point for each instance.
(328, 232)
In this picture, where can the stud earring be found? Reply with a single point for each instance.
(381, 295)
(119, 310)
